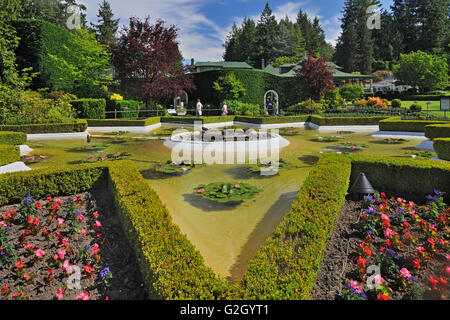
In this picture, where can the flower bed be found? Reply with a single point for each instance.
(45, 244)
(386, 248)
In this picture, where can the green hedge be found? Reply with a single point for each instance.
(286, 266)
(442, 148)
(90, 108)
(346, 121)
(13, 138)
(9, 154)
(171, 266)
(256, 83)
(191, 120)
(272, 120)
(76, 126)
(437, 131)
(123, 122)
(131, 106)
(408, 178)
(396, 124)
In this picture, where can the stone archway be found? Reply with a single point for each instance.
(272, 94)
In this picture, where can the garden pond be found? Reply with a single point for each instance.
(226, 234)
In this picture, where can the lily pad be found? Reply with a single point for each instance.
(227, 192)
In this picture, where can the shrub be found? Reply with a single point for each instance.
(332, 99)
(437, 131)
(396, 103)
(396, 124)
(9, 154)
(362, 103)
(377, 102)
(244, 109)
(74, 126)
(122, 122)
(310, 106)
(12, 138)
(442, 148)
(346, 121)
(131, 107)
(271, 120)
(415, 107)
(352, 92)
(286, 266)
(90, 108)
(400, 176)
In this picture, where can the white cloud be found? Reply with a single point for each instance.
(185, 14)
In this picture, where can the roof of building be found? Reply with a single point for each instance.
(286, 70)
(224, 65)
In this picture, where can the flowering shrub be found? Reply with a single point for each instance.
(377, 103)
(56, 238)
(407, 242)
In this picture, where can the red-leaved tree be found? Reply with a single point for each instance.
(148, 62)
(315, 76)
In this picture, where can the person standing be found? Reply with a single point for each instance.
(275, 108)
(198, 108)
(224, 108)
(269, 107)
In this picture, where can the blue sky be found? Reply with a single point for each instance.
(204, 24)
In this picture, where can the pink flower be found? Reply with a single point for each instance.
(66, 266)
(59, 293)
(83, 296)
(405, 273)
(61, 253)
(97, 224)
(95, 249)
(421, 250)
(91, 157)
(201, 191)
(39, 253)
(59, 222)
(384, 217)
(237, 186)
(95, 214)
(64, 242)
(83, 232)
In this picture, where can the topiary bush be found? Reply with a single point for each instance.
(396, 124)
(90, 108)
(415, 107)
(73, 126)
(442, 148)
(351, 92)
(9, 154)
(396, 103)
(12, 138)
(437, 131)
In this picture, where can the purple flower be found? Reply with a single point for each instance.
(369, 198)
(439, 193)
(104, 272)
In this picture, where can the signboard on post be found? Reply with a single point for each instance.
(445, 104)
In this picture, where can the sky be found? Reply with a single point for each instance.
(204, 24)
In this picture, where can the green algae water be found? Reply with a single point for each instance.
(227, 235)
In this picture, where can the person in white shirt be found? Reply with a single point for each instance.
(224, 108)
(199, 108)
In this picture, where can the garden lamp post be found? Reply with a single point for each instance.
(428, 106)
(362, 186)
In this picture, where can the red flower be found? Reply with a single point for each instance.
(49, 198)
(431, 242)
(19, 264)
(362, 262)
(38, 205)
(367, 252)
(383, 297)
(30, 219)
(434, 283)
(88, 269)
(416, 264)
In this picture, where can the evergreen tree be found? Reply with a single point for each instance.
(107, 27)
(282, 42)
(266, 30)
(8, 41)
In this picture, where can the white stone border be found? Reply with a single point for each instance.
(146, 129)
(57, 136)
(399, 135)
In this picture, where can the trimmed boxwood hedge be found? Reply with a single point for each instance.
(286, 266)
(191, 120)
(442, 148)
(346, 121)
(9, 154)
(272, 120)
(122, 122)
(171, 266)
(437, 131)
(13, 138)
(90, 108)
(131, 106)
(409, 178)
(396, 124)
(75, 126)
